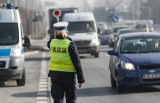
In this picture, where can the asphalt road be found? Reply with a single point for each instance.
(11, 93)
(96, 89)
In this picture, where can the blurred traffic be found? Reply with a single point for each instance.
(122, 35)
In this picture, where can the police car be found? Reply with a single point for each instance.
(135, 61)
(12, 42)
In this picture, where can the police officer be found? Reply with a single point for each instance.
(64, 65)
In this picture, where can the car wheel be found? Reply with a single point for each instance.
(2, 83)
(96, 55)
(22, 81)
(120, 88)
(113, 82)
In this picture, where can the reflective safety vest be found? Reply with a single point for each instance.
(60, 58)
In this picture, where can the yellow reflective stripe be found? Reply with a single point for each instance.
(60, 61)
(52, 65)
(62, 70)
(69, 62)
(65, 68)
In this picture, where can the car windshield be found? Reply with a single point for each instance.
(8, 33)
(81, 27)
(140, 45)
(141, 26)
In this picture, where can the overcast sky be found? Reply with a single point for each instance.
(81, 4)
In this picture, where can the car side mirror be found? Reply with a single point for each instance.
(112, 52)
(27, 42)
(99, 30)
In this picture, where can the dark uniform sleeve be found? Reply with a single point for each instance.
(69, 38)
(48, 43)
(76, 62)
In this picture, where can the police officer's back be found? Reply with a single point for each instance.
(64, 65)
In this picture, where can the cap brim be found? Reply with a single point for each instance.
(61, 28)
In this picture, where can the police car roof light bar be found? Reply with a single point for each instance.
(8, 6)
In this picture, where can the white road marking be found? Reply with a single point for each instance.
(42, 95)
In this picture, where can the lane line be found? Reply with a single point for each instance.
(42, 94)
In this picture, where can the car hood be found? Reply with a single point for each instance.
(145, 58)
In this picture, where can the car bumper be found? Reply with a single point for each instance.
(10, 74)
(134, 78)
(88, 49)
(13, 70)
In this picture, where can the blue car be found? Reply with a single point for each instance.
(135, 60)
(104, 37)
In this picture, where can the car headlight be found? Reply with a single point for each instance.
(16, 51)
(94, 41)
(128, 66)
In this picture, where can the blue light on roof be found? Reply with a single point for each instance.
(9, 5)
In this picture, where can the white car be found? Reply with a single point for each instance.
(141, 27)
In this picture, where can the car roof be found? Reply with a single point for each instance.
(135, 34)
(79, 16)
(126, 29)
(9, 15)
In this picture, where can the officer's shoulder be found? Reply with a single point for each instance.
(69, 38)
(72, 43)
(52, 36)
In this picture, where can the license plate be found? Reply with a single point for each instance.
(151, 76)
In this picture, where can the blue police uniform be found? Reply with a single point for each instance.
(64, 83)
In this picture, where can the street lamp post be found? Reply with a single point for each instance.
(27, 19)
(133, 11)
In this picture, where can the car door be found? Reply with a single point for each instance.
(114, 61)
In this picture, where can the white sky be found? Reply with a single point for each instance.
(71, 3)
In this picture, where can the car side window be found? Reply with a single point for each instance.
(116, 46)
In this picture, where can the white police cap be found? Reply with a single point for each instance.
(61, 25)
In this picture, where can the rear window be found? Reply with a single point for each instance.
(106, 32)
(141, 26)
(9, 33)
(117, 28)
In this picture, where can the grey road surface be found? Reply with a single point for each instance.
(11, 93)
(96, 89)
